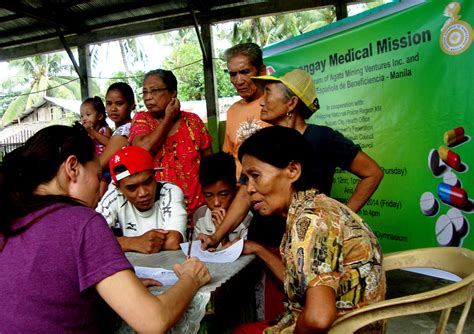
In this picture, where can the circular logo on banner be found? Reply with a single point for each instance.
(456, 35)
(456, 38)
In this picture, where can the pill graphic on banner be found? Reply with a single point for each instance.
(454, 136)
(452, 195)
(433, 163)
(458, 221)
(428, 204)
(445, 233)
(451, 179)
(449, 157)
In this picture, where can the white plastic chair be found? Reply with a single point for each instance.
(458, 261)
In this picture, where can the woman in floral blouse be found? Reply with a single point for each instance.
(331, 261)
(176, 139)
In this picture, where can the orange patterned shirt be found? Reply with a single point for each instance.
(325, 243)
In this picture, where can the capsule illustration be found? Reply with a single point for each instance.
(449, 157)
(454, 136)
(452, 195)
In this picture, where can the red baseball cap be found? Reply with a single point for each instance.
(134, 159)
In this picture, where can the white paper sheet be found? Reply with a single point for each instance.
(222, 256)
(164, 276)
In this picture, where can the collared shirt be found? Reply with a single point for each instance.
(327, 244)
(168, 213)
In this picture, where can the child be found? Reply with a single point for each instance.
(219, 186)
(93, 119)
(119, 104)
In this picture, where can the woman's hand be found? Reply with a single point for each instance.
(250, 247)
(208, 242)
(195, 269)
(173, 109)
(149, 282)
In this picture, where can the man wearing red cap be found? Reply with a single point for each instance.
(151, 215)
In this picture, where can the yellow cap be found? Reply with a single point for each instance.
(298, 81)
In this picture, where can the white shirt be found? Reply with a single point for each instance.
(123, 130)
(203, 224)
(168, 213)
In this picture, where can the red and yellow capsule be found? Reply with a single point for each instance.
(454, 136)
(449, 157)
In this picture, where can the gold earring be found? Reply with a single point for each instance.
(288, 114)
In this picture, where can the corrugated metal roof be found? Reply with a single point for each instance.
(30, 27)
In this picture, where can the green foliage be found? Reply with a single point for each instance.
(5, 101)
(12, 111)
(271, 29)
(186, 63)
(38, 76)
(224, 86)
(135, 80)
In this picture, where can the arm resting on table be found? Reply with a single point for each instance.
(172, 241)
(148, 243)
(139, 308)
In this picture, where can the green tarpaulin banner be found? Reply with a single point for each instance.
(402, 87)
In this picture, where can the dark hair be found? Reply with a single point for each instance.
(126, 91)
(167, 77)
(278, 146)
(37, 162)
(250, 50)
(98, 106)
(217, 167)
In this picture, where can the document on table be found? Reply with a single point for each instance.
(164, 276)
(221, 256)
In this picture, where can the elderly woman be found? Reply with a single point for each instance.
(289, 99)
(176, 139)
(330, 261)
(58, 258)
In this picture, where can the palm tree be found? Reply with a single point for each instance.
(37, 77)
(272, 29)
(132, 52)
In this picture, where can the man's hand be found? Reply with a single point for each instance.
(217, 216)
(195, 269)
(151, 241)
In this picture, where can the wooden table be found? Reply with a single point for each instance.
(228, 300)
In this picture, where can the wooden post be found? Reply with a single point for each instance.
(210, 86)
(85, 69)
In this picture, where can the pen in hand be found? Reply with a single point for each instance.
(190, 240)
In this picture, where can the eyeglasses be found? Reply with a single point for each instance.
(153, 91)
